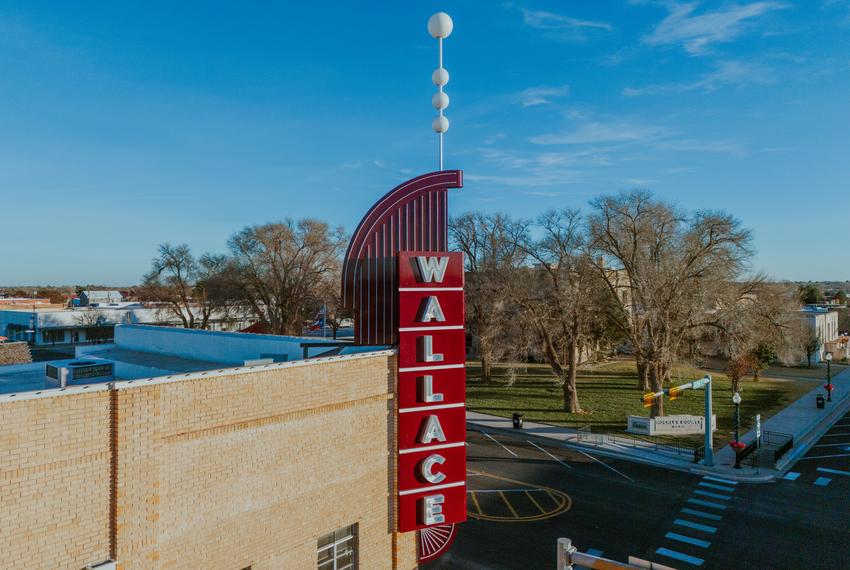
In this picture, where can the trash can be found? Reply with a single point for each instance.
(517, 421)
(819, 401)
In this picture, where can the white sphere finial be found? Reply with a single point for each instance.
(440, 25)
(440, 100)
(440, 124)
(440, 77)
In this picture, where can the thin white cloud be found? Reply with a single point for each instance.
(560, 27)
(542, 95)
(693, 145)
(733, 72)
(698, 32)
(595, 132)
(495, 138)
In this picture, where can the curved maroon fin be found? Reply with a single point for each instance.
(411, 217)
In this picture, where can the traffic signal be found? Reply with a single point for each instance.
(648, 399)
(674, 392)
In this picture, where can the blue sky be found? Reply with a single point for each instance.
(125, 125)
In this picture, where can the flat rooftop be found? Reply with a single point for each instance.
(142, 351)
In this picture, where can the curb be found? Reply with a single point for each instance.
(814, 433)
(685, 467)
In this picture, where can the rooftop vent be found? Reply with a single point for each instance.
(79, 372)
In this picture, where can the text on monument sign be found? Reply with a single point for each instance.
(431, 390)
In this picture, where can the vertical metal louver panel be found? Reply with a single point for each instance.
(411, 217)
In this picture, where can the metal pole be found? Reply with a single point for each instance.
(737, 422)
(709, 451)
(440, 42)
(564, 548)
(829, 379)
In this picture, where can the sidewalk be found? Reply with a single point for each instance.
(801, 419)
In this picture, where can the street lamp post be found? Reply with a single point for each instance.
(736, 399)
(828, 376)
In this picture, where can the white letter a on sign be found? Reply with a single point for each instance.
(432, 430)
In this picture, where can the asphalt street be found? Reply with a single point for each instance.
(523, 495)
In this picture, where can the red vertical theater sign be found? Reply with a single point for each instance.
(431, 390)
(405, 288)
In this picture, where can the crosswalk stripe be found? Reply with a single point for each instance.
(712, 495)
(791, 476)
(697, 526)
(702, 503)
(835, 471)
(687, 539)
(679, 556)
(719, 487)
(701, 514)
(822, 481)
(720, 480)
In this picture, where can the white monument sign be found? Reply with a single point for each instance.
(669, 425)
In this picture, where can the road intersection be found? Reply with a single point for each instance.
(525, 493)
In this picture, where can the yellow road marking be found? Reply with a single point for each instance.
(508, 503)
(561, 500)
(477, 506)
(530, 498)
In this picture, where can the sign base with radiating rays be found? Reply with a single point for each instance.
(435, 540)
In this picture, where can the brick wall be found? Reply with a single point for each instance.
(14, 353)
(216, 472)
(54, 481)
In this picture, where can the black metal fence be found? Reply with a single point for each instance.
(778, 441)
(585, 435)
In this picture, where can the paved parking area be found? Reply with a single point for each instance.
(524, 495)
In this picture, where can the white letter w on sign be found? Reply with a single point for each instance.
(432, 268)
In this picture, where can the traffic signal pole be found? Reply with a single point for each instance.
(674, 392)
(709, 448)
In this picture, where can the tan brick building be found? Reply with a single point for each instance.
(228, 467)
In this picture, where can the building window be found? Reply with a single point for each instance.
(338, 550)
(53, 336)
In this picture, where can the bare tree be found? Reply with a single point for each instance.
(683, 272)
(755, 327)
(493, 254)
(96, 323)
(171, 280)
(282, 268)
(563, 297)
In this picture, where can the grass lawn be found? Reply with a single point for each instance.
(608, 393)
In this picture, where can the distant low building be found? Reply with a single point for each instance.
(824, 324)
(23, 301)
(840, 348)
(96, 324)
(98, 298)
